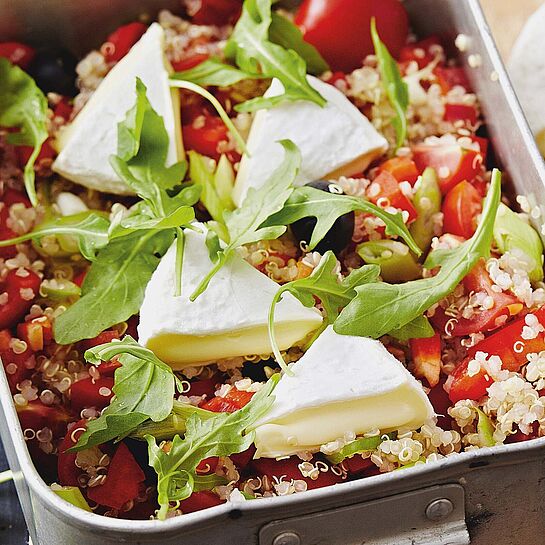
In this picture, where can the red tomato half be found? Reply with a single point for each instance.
(461, 206)
(17, 53)
(341, 29)
(119, 42)
(452, 163)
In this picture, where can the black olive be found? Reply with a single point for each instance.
(54, 70)
(340, 234)
(256, 369)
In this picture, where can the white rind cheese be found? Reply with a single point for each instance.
(85, 145)
(229, 319)
(334, 140)
(342, 385)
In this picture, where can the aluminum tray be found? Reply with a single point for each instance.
(491, 496)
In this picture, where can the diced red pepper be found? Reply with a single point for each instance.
(47, 152)
(217, 12)
(461, 207)
(189, 62)
(17, 53)
(385, 189)
(105, 337)
(451, 76)
(63, 109)
(199, 501)
(21, 286)
(337, 76)
(403, 169)
(205, 387)
(426, 355)
(356, 465)
(207, 466)
(90, 392)
(108, 368)
(66, 464)
(422, 52)
(9, 198)
(461, 112)
(119, 43)
(440, 401)
(79, 278)
(18, 367)
(453, 163)
(204, 137)
(37, 332)
(122, 483)
(35, 415)
(243, 459)
(231, 402)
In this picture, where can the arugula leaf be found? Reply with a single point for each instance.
(323, 283)
(144, 389)
(250, 47)
(214, 71)
(380, 308)
(243, 225)
(396, 89)
(113, 289)
(90, 228)
(419, 328)
(23, 105)
(328, 207)
(221, 435)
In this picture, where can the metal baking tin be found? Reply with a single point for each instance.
(493, 496)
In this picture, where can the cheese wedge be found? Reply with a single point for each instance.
(335, 140)
(86, 145)
(229, 319)
(341, 385)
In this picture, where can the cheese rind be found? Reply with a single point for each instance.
(334, 140)
(342, 385)
(85, 146)
(228, 320)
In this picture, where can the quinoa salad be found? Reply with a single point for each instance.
(248, 252)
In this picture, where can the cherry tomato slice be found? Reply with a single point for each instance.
(189, 62)
(17, 53)
(426, 355)
(341, 29)
(452, 76)
(461, 112)
(461, 206)
(199, 501)
(66, 464)
(233, 401)
(422, 52)
(90, 392)
(22, 286)
(217, 12)
(102, 338)
(119, 42)
(204, 135)
(385, 188)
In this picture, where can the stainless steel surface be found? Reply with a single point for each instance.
(503, 487)
(400, 519)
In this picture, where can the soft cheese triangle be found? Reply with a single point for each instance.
(86, 145)
(229, 319)
(334, 140)
(341, 385)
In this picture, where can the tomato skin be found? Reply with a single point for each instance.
(122, 483)
(341, 29)
(205, 139)
(189, 62)
(389, 189)
(205, 387)
(461, 206)
(461, 112)
(217, 12)
(119, 42)
(87, 393)
(16, 307)
(452, 163)
(199, 501)
(403, 169)
(422, 52)
(233, 401)
(17, 53)
(102, 338)
(451, 76)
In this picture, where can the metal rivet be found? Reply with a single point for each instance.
(287, 538)
(439, 509)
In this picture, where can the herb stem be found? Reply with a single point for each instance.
(180, 245)
(206, 280)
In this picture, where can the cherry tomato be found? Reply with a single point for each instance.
(199, 501)
(341, 29)
(386, 188)
(453, 163)
(403, 169)
(206, 138)
(422, 52)
(461, 112)
(217, 12)
(119, 42)
(66, 464)
(21, 286)
(451, 76)
(189, 62)
(122, 483)
(233, 401)
(461, 206)
(90, 392)
(17, 53)
(426, 355)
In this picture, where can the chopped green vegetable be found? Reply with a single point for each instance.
(323, 283)
(244, 225)
(89, 228)
(23, 105)
(513, 233)
(73, 495)
(113, 289)
(144, 389)
(396, 89)
(224, 181)
(59, 289)
(396, 262)
(427, 202)
(380, 308)
(485, 430)
(363, 444)
(221, 435)
(327, 207)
